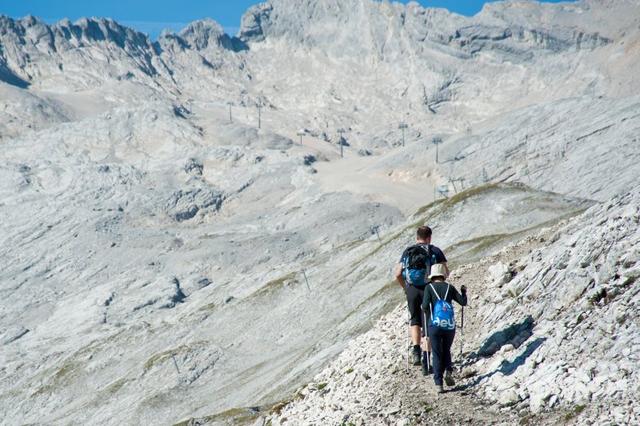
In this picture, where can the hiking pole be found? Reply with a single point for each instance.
(426, 336)
(461, 331)
(409, 341)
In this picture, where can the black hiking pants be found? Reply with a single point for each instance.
(441, 341)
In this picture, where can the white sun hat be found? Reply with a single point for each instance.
(438, 270)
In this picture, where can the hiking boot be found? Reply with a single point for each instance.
(448, 378)
(415, 357)
(439, 388)
(426, 369)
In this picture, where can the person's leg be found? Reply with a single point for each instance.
(415, 334)
(413, 302)
(437, 351)
(447, 342)
(417, 295)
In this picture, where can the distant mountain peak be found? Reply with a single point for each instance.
(202, 33)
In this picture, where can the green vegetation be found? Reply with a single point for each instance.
(238, 416)
(65, 372)
(526, 420)
(114, 387)
(62, 377)
(162, 356)
(464, 195)
(278, 407)
(232, 416)
(428, 212)
(73, 366)
(362, 273)
(461, 196)
(321, 386)
(348, 245)
(574, 413)
(208, 307)
(630, 279)
(475, 248)
(422, 210)
(275, 285)
(598, 296)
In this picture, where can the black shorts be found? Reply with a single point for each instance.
(414, 301)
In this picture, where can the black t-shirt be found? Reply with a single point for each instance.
(441, 287)
(437, 256)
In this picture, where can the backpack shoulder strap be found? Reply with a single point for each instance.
(431, 257)
(405, 256)
(435, 292)
(432, 254)
(447, 293)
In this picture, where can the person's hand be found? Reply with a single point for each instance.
(463, 289)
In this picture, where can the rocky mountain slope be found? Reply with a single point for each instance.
(181, 233)
(550, 336)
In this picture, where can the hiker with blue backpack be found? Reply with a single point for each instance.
(438, 296)
(412, 273)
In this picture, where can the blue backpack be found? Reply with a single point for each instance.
(417, 263)
(442, 314)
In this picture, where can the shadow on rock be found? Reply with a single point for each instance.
(515, 334)
(508, 367)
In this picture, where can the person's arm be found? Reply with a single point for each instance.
(399, 276)
(461, 298)
(426, 302)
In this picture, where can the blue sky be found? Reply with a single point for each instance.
(151, 16)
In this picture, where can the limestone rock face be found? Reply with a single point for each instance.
(582, 310)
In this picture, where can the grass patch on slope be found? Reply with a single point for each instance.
(62, 377)
(276, 284)
(476, 248)
(464, 195)
(165, 355)
(428, 212)
(235, 416)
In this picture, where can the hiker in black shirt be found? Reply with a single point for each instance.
(414, 289)
(442, 326)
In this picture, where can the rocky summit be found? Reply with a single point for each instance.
(201, 228)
